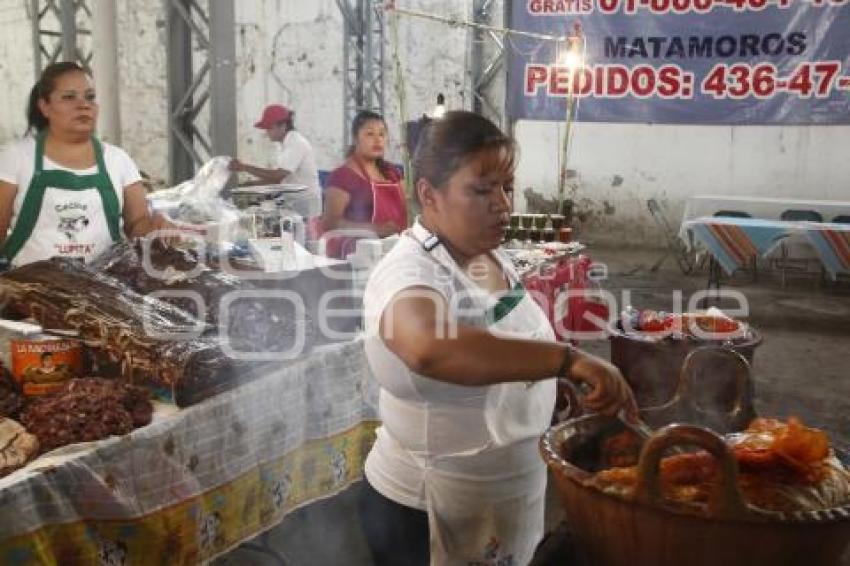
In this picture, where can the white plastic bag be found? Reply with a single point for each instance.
(197, 204)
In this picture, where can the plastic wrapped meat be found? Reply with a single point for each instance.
(257, 321)
(172, 266)
(144, 339)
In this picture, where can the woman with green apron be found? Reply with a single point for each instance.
(63, 192)
(465, 361)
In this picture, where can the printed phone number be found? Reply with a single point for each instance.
(698, 6)
(580, 7)
(819, 79)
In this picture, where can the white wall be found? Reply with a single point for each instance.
(16, 66)
(142, 92)
(289, 53)
(619, 166)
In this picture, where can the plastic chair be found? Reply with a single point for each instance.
(799, 215)
(733, 214)
(795, 253)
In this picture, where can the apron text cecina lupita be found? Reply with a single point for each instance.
(64, 214)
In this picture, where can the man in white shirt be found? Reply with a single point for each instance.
(295, 161)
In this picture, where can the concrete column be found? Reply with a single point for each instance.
(105, 69)
(222, 59)
(68, 21)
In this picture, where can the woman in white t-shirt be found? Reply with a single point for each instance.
(295, 161)
(465, 361)
(62, 191)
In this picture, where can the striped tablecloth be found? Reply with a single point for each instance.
(832, 242)
(735, 241)
(768, 208)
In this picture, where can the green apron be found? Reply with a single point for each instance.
(42, 180)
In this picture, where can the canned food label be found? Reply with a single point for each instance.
(42, 366)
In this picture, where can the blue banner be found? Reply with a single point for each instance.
(682, 61)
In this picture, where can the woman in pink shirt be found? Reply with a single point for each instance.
(364, 196)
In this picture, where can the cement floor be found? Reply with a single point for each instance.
(800, 369)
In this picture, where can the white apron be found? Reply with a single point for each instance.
(70, 224)
(486, 506)
(64, 214)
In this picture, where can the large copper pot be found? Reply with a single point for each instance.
(612, 531)
(650, 366)
(648, 531)
(688, 403)
(685, 403)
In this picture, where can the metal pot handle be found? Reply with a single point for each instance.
(567, 405)
(741, 411)
(725, 501)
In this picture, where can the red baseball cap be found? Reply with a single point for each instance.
(273, 115)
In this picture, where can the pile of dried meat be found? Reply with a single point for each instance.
(86, 409)
(11, 400)
(141, 320)
(81, 410)
(142, 339)
(143, 333)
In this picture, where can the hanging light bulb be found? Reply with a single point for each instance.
(571, 55)
(571, 60)
(440, 109)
